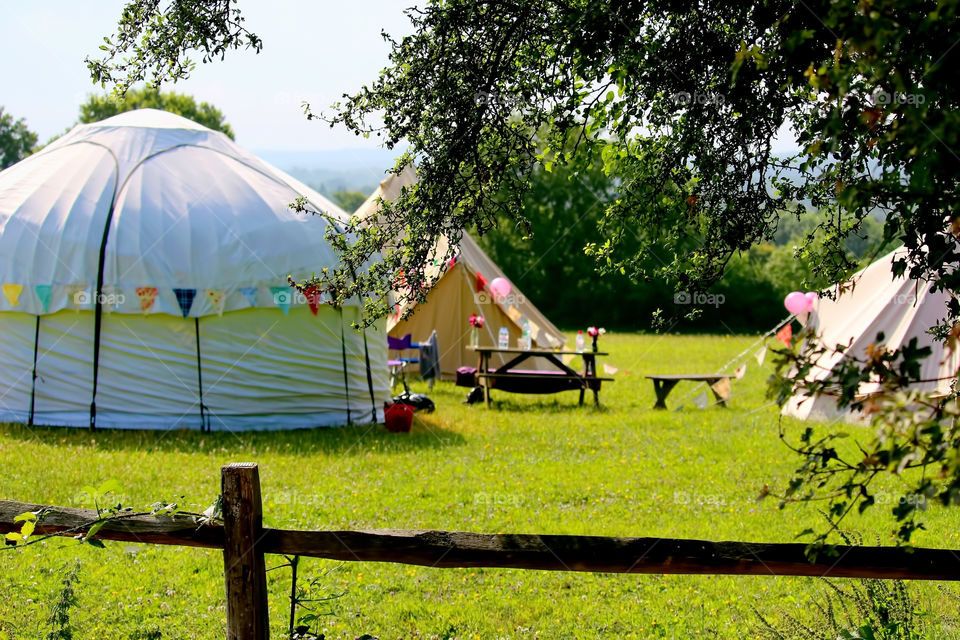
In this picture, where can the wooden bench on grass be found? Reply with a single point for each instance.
(664, 384)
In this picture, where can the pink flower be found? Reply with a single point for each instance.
(476, 321)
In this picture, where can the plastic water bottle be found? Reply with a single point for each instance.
(504, 339)
(580, 342)
(527, 342)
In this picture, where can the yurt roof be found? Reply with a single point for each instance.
(160, 202)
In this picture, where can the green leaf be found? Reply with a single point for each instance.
(93, 542)
(23, 517)
(27, 529)
(109, 486)
(95, 528)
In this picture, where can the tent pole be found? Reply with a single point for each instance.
(472, 287)
(33, 384)
(204, 425)
(373, 400)
(96, 294)
(98, 311)
(343, 351)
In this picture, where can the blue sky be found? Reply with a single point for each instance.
(313, 51)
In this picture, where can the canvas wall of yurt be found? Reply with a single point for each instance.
(462, 290)
(144, 263)
(874, 302)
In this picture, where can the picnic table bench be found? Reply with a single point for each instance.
(508, 378)
(664, 384)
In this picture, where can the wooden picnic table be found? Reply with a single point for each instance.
(664, 384)
(508, 378)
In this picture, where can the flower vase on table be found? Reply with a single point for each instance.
(476, 322)
(595, 333)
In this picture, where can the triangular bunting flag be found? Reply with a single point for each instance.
(282, 297)
(250, 293)
(185, 299)
(761, 355)
(722, 388)
(534, 329)
(701, 401)
(313, 298)
(216, 298)
(147, 296)
(785, 335)
(740, 371)
(608, 370)
(12, 293)
(43, 295)
(481, 282)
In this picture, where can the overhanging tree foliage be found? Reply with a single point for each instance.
(683, 107)
(682, 103)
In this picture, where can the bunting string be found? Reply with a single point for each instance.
(739, 359)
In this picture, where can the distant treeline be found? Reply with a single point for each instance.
(552, 269)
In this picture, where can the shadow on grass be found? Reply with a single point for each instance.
(347, 440)
(542, 404)
(561, 402)
(566, 401)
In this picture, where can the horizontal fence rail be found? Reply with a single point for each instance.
(173, 530)
(452, 549)
(244, 541)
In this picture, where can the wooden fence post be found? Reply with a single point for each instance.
(244, 567)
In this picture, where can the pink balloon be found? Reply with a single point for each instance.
(796, 302)
(812, 298)
(500, 288)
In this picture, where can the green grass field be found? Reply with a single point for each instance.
(532, 464)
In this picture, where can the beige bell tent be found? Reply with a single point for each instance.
(455, 297)
(900, 308)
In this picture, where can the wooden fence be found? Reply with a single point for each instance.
(245, 540)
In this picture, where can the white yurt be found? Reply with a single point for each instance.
(144, 263)
(874, 302)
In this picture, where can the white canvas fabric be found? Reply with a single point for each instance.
(454, 298)
(901, 309)
(182, 198)
(167, 205)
